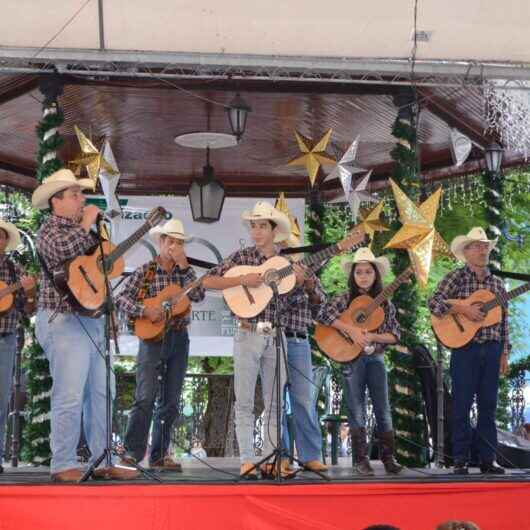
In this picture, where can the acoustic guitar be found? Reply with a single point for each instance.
(247, 302)
(174, 300)
(6, 295)
(456, 330)
(82, 280)
(364, 312)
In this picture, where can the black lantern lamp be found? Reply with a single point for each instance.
(206, 195)
(237, 116)
(493, 156)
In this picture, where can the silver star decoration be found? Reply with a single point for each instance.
(359, 194)
(346, 168)
(109, 183)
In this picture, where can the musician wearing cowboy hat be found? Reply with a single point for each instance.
(72, 343)
(22, 301)
(162, 361)
(475, 367)
(254, 348)
(365, 275)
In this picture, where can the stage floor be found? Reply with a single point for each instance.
(226, 471)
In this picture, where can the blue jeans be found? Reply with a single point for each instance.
(78, 373)
(475, 372)
(367, 371)
(307, 434)
(255, 354)
(8, 345)
(175, 349)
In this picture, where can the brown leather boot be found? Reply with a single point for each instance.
(359, 447)
(386, 453)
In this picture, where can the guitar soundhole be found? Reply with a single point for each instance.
(360, 317)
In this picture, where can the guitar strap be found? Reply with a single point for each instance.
(147, 279)
(13, 273)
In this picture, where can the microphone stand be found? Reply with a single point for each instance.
(110, 329)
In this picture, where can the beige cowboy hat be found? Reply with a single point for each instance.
(13, 235)
(172, 228)
(264, 211)
(477, 233)
(56, 182)
(364, 254)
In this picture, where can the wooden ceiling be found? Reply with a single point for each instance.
(141, 119)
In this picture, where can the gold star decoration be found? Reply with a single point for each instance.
(313, 154)
(281, 205)
(418, 234)
(90, 158)
(370, 221)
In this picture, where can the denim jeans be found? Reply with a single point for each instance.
(8, 345)
(78, 373)
(175, 348)
(255, 354)
(475, 372)
(307, 434)
(367, 371)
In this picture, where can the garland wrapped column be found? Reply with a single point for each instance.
(36, 436)
(405, 390)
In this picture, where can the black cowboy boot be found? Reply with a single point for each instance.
(386, 453)
(358, 441)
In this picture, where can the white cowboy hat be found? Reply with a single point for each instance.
(56, 182)
(364, 254)
(264, 211)
(172, 228)
(477, 233)
(13, 235)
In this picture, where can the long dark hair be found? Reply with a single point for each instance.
(376, 288)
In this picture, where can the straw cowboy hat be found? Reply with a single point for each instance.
(172, 228)
(477, 233)
(264, 211)
(364, 254)
(13, 235)
(56, 182)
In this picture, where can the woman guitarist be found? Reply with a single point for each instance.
(365, 275)
(167, 358)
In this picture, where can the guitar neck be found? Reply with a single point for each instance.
(503, 300)
(194, 284)
(389, 290)
(124, 246)
(10, 289)
(318, 257)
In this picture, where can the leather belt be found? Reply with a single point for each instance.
(261, 328)
(295, 334)
(177, 324)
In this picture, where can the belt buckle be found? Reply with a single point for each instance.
(264, 328)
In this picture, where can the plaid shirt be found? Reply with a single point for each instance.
(253, 257)
(332, 310)
(58, 240)
(9, 320)
(462, 283)
(297, 310)
(128, 301)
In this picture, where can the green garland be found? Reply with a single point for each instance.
(36, 434)
(405, 390)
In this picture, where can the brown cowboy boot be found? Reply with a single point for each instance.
(359, 447)
(386, 453)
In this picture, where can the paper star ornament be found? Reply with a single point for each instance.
(313, 154)
(281, 205)
(346, 167)
(91, 159)
(418, 234)
(370, 221)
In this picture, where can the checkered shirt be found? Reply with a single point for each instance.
(59, 240)
(253, 257)
(128, 302)
(332, 310)
(9, 320)
(462, 283)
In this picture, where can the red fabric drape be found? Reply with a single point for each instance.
(493, 506)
